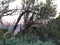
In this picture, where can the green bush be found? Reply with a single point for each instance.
(20, 41)
(27, 39)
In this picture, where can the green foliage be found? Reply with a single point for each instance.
(2, 31)
(48, 10)
(54, 25)
(45, 43)
(57, 32)
(18, 41)
(48, 2)
(26, 39)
